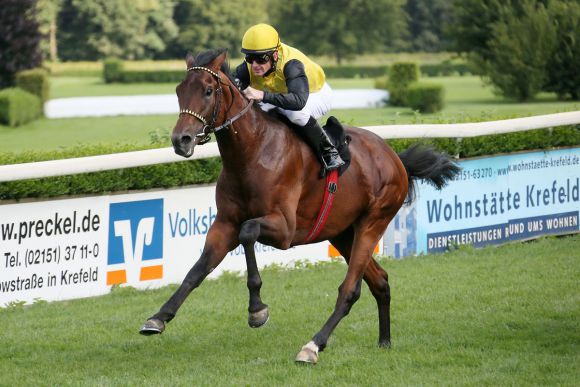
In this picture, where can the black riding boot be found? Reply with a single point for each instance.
(319, 141)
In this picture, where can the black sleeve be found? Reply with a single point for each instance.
(241, 72)
(297, 84)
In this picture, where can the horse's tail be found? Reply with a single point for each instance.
(427, 164)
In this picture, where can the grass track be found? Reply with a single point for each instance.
(497, 316)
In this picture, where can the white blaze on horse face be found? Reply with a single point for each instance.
(134, 254)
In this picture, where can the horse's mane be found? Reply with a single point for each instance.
(205, 57)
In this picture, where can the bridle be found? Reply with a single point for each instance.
(209, 128)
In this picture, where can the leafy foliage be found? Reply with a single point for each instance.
(112, 70)
(34, 81)
(18, 107)
(401, 75)
(426, 97)
(563, 65)
(522, 47)
(427, 22)
(47, 16)
(154, 176)
(19, 39)
(340, 28)
(206, 25)
(114, 28)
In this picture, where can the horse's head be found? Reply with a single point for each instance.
(200, 97)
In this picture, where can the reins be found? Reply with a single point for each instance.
(208, 129)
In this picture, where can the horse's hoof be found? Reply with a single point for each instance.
(259, 318)
(152, 327)
(308, 354)
(385, 344)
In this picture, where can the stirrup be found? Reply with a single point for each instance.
(332, 161)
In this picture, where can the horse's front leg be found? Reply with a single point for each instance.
(270, 227)
(221, 238)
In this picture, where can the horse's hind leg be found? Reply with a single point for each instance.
(257, 311)
(378, 282)
(366, 236)
(220, 239)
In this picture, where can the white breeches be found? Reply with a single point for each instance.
(318, 104)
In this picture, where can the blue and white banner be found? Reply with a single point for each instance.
(493, 200)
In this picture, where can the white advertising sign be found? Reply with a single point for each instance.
(72, 248)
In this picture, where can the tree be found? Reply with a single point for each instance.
(520, 47)
(212, 24)
(114, 28)
(563, 67)
(47, 15)
(428, 20)
(19, 39)
(340, 28)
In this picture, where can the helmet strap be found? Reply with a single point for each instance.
(273, 67)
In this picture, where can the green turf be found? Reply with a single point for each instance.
(500, 316)
(467, 99)
(45, 134)
(67, 87)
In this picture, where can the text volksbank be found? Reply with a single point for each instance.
(501, 202)
(191, 222)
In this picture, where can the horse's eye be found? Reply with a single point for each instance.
(208, 91)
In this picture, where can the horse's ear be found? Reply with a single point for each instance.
(189, 59)
(216, 64)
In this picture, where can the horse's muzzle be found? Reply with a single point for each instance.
(183, 144)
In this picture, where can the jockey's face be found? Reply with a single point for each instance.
(260, 69)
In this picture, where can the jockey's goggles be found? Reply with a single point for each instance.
(258, 58)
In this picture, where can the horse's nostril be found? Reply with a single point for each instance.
(185, 139)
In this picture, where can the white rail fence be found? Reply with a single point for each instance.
(166, 155)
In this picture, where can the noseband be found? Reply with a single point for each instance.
(208, 129)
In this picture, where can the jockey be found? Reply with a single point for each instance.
(283, 78)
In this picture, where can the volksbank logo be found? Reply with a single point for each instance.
(135, 241)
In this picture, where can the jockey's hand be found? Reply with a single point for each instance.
(253, 94)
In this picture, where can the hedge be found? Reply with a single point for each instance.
(401, 75)
(426, 97)
(355, 71)
(174, 76)
(445, 69)
(206, 171)
(34, 81)
(18, 107)
(140, 178)
(113, 71)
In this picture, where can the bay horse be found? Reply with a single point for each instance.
(270, 191)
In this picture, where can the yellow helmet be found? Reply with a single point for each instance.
(260, 39)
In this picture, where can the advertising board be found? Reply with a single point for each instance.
(72, 248)
(79, 247)
(493, 200)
